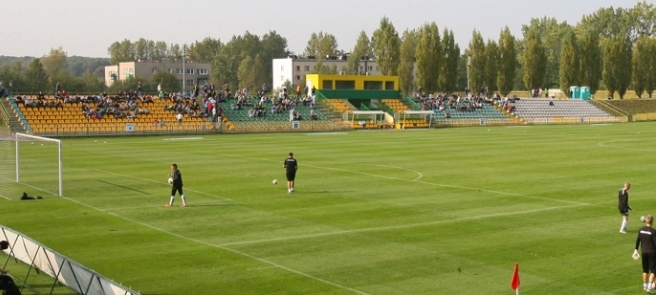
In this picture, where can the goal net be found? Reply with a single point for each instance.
(31, 164)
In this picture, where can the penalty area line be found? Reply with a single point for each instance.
(403, 226)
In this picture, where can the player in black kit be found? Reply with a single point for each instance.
(647, 238)
(291, 166)
(176, 186)
(623, 206)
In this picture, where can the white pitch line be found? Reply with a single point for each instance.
(160, 182)
(271, 263)
(394, 227)
(158, 206)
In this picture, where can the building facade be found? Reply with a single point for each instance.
(195, 73)
(294, 69)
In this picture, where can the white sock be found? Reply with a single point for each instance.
(624, 222)
(172, 199)
(184, 201)
(645, 286)
(292, 189)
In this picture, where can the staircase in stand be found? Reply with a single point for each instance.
(14, 122)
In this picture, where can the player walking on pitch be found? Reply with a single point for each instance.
(291, 165)
(647, 239)
(176, 186)
(623, 206)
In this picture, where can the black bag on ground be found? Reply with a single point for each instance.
(7, 284)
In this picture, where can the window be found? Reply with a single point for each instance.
(180, 82)
(377, 69)
(190, 82)
(306, 68)
(170, 71)
(298, 68)
(361, 68)
(370, 68)
(298, 78)
(178, 71)
(282, 68)
(282, 78)
(190, 71)
(154, 71)
(202, 71)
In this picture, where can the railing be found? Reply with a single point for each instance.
(62, 269)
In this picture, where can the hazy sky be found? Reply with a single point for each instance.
(88, 27)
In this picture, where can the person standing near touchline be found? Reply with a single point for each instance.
(291, 165)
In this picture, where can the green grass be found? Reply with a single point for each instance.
(446, 211)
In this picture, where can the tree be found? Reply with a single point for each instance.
(12, 75)
(535, 61)
(617, 65)
(321, 45)
(591, 61)
(507, 61)
(644, 59)
(91, 82)
(54, 63)
(205, 50)
(272, 46)
(168, 81)
(407, 61)
(476, 52)
(650, 85)
(362, 49)
(36, 77)
(551, 34)
(491, 65)
(429, 57)
(140, 49)
(387, 47)
(448, 79)
(251, 72)
(570, 66)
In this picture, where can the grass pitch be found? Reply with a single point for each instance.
(446, 211)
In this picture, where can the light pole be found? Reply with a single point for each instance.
(184, 71)
(469, 58)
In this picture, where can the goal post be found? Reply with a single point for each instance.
(38, 162)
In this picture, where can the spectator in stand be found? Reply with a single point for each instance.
(179, 118)
(139, 89)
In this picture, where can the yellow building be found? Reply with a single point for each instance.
(351, 82)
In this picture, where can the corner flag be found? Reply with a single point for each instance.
(514, 282)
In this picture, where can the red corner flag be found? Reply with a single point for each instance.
(514, 282)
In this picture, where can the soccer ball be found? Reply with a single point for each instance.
(170, 180)
(642, 218)
(275, 181)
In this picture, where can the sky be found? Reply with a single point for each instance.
(88, 27)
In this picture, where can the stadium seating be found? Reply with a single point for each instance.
(535, 110)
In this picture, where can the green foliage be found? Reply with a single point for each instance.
(362, 49)
(11, 74)
(591, 61)
(448, 79)
(535, 61)
(168, 81)
(643, 60)
(36, 77)
(617, 65)
(387, 47)
(55, 63)
(507, 62)
(252, 72)
(430, 56)
(321, 45)
(476, 53)
(407, 64)
(204, 51)
(570, 64)
(492, 61)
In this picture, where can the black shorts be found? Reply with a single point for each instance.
(291, 175)
(649, 262)
(624, 213)
(175, 189)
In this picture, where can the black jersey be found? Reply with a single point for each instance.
(646, 237)
(177, 178)
(290, 164)
(623, 200)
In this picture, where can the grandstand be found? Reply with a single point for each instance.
(543, 111)
(68, 119)
(485, 114)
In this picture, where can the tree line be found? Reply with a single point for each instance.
(612, 49)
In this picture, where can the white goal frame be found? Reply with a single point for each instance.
(40, 138)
